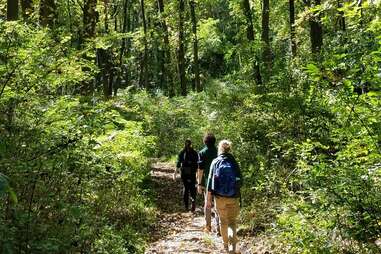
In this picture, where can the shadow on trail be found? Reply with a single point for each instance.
(168, 192)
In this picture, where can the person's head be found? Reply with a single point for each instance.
(188, 144)
(224, 146)
(209, 139)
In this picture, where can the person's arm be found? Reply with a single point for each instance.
(209, 186)
(178, 165)
(200, 170)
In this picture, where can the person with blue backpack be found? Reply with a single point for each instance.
(187, 164)
(224, 182)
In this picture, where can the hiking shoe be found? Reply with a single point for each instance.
(193, 209)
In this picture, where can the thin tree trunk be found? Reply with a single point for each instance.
(250, 35)
(266, 50)
(12, 10)
(292, 27)
(143, 79)
(105, 61)
(249, 20)
(167, 75)
(26, 8)
(125, 26)
(196, 67)
(89, 18)
(181, 50)
(341, 19)
(47, 12)
(316, 32)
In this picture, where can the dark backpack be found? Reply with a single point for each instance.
(186, 165)
(225, 178)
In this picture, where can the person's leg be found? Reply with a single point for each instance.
(233, 213)
(186, 192)
(222, 212)
(193, 192)
(216, 220)
(207, 214)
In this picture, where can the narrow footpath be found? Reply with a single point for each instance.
(178, 231)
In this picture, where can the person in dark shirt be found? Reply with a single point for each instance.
(206, 156)
(187, 165)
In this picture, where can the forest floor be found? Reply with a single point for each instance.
(178, 231)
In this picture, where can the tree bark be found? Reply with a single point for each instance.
(90, 17)
(181, 50)
(12, 10)
(47, 12)
(143, 77)
(245, 4)
(167, 75)
(250, 35)
(266, 50)
(292, 27)
(341, 18)
(196, 68)
(316, 31)
(26, 8)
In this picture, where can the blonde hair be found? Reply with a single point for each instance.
(224, 146)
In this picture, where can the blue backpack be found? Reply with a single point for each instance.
(225, 178)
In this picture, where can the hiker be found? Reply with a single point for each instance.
(224, 183)
(187, 164)
(206, 156)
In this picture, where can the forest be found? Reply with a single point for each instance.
(92, 90)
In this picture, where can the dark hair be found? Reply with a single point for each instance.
(209, 139)
(188, 143)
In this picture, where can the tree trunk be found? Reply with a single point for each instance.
(266, 50)
(143, 77)
(27, 8)
(181, 50)
(250, 35)
(196, 68)
(125, 28)
(249, 20)
(90, 17)
(167, 74)
(316, 32)
(341, 18)
(291, 4)
(47, 12)
(12, 10)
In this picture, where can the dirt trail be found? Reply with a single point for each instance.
(178, 231)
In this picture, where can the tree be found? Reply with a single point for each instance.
(250, 35)
(181, 50)
(47, 12)
(196, 68)
(90, 17)
(266, 50)
(166, 80)
(12, 10)
(143, 76)
(291, 4)
(316, 29)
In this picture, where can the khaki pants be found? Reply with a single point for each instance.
(228, 210)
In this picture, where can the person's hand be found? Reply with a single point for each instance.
(208, 204)
(199, 189)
